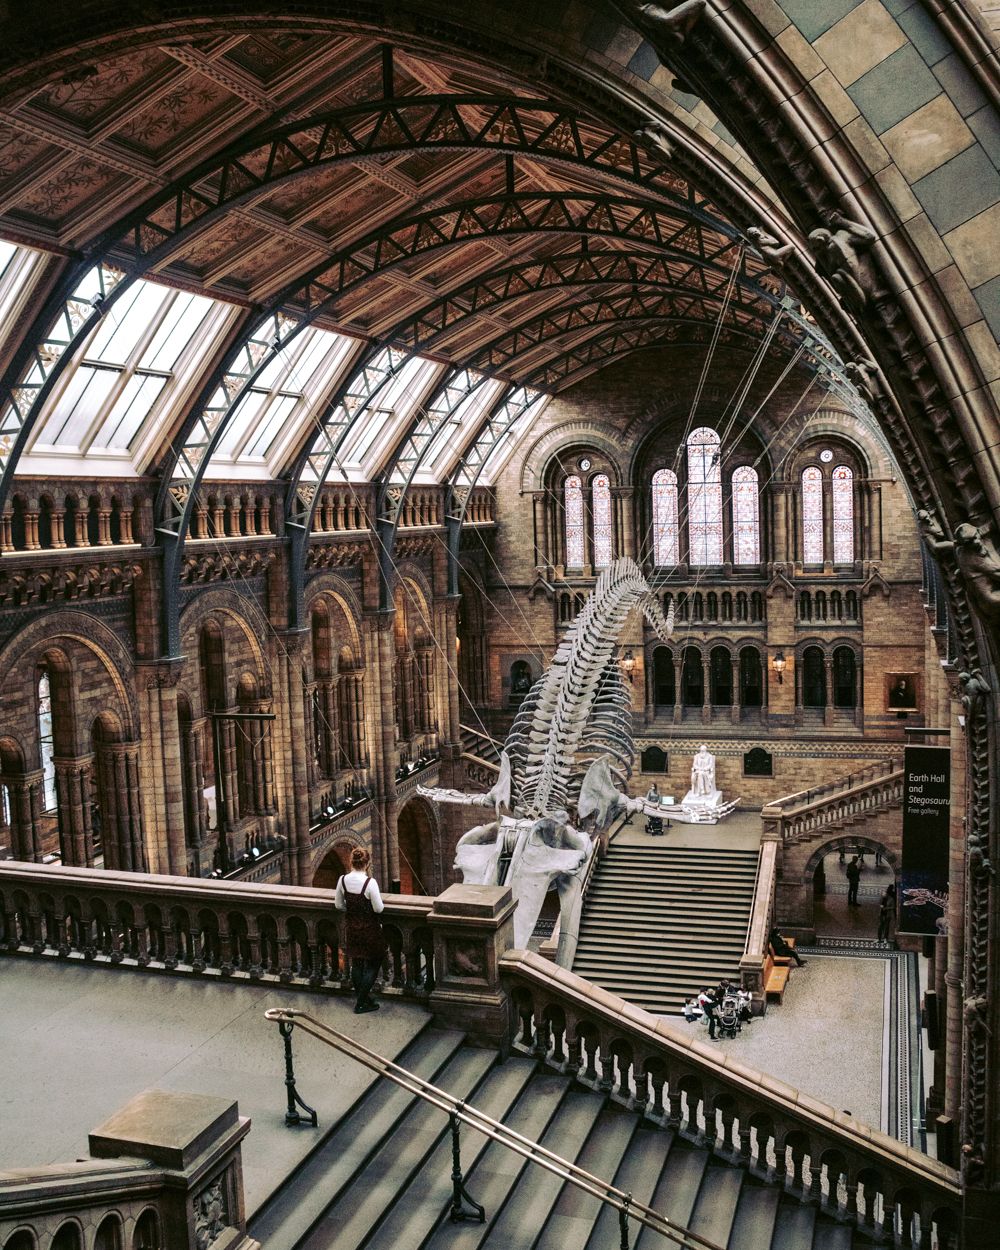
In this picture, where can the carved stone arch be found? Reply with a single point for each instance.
(334, 857)
(846, 842)
(340, 595)
(223, 602)
(421, 846)
(830, 425)
(89, 632)
(539, 456)
(419, 594)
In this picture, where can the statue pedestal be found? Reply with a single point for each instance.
(709, 801)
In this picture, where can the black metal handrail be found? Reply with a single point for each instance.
(458, 1110)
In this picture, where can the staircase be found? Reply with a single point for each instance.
(853, 799)
(381, 1179)
(480, 747)
(661, 922)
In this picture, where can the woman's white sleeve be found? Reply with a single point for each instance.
(375, 896)
(338, 899)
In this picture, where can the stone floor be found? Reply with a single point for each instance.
(828, 1036)
(79, 1042)
(739, 832)
(833, 918)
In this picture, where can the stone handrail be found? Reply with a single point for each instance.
(866, 791)
(759, 924)
(165, 1170)
(815, 1153)
(203, 927)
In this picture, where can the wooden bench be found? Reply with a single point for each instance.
(775, 976)
(782, 961)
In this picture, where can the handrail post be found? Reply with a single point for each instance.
(292, 1116)
(623, 1222)
(462, 1206)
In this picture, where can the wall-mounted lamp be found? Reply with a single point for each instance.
(778, 664)
(627, 663)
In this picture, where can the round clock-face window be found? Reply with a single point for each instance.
(826, 455)
(585, 464)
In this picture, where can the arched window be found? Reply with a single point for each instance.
(664, 684)
(704, 497)
(845, 684)
(843, 515)
(574, 522)
(601, 504)
(751, 678)
(665, 546)
(45, 748)
(746, 516)
(813, 678)
(812, 515)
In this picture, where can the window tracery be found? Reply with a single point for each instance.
(843, 514)
(812, 515)
(665, 528)
(601, 508)
(573, 495)
(704, 497)
(746, 516)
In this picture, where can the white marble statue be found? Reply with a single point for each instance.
(703, 773)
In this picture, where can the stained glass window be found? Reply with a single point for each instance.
(45, 741)
(665, 547)
(746, 517)
(704, 497)
(574, 523)
(812, 515)
(843, 515)
(601, 505)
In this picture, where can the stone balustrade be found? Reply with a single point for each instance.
(816, 1154)
(864, 792)
(164, 1171)
(204, 928)
(759, 924)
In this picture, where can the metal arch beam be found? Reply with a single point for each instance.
(423, 330)
(320, 289)
(146, 237)
(493, 427)
(406, 459)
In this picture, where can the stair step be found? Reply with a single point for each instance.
(574, 1212)
(511, 1096)
(347, 1221)
(753, 1227)
(829, 1236)
(676, 1192)
(637, 1176)
(286, 1217)
(794, 1227)
(529, 1205)
(718, 1201)
(495, 1178)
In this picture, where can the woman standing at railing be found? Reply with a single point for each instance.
(358, 896)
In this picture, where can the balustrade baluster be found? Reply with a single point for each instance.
(675, 1106)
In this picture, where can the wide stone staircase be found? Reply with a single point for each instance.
(660, 922)
(381, 1179)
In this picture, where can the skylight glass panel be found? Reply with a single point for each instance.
(126, 322)
(181, 324)
(459, 428)
(391, 407)
(505, 445)
(271, 423)
(243, 419)
(78, 407)
(129, 411)
(17, 266)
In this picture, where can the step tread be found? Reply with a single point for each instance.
(497, 1171)
(346, 1222)
(574, 1211)
(305, 1194)
(637, 1175)
(420, 1206)
(793, 1227)
(718, 1200)
(536, 1191)
(676, 1192)
(753, 1227)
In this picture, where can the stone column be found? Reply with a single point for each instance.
(678, 670)
(262, 762)
(163, 784)
(828, 688)
(58, 527)
(954, 977)
(128, 831)
(73, 790)
(313, 736)
(329, 729)
(192, 750)
(227, 797)
(540, 534)
(706, 687)
(292, 729)
(25, 813)
(779, 541)
(386, 847)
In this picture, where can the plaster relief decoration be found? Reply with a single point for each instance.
(564, 766)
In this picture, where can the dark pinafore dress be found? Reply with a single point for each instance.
(365, 939)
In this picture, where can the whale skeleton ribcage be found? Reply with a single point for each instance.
(579, 710)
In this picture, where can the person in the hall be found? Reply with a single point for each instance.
(358, 895)
(782, 949)
(853, 881)
(887, 912)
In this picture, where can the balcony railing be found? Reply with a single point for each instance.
(861, 793)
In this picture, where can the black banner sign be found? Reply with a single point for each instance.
(926, 813)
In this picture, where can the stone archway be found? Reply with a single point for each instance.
(333, 865)
(415, 830)
(823, 885)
